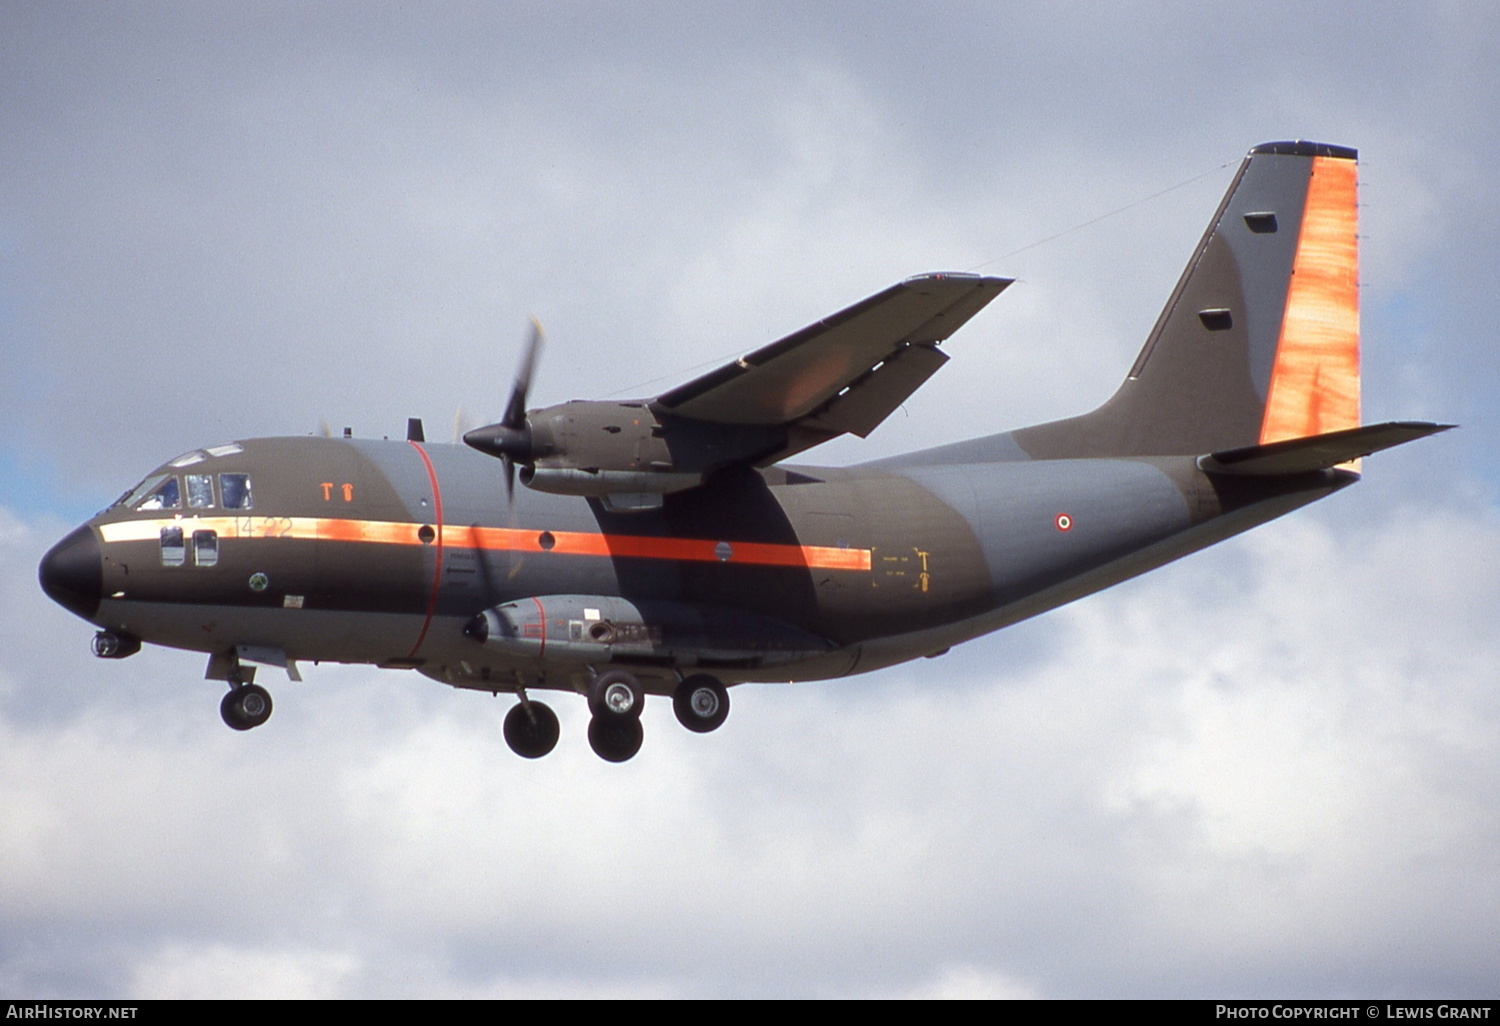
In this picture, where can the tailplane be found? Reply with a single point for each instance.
(1259, 342)
(1316, 452)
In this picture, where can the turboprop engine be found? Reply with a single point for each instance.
(628, 453)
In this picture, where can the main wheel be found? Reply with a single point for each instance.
(532, 734)
(701, 703)
(616, 695)
(247, 706)
(615, 739)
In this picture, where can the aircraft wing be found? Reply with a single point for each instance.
(847, 372)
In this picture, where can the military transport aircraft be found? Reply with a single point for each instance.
(660, 547)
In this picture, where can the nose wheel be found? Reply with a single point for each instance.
(246, 706)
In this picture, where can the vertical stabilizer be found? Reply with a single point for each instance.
(1315, 377)
(1259, 341)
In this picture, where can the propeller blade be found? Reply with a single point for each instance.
(515, 410)
(510, 439)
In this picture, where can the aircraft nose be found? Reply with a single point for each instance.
(72, 573)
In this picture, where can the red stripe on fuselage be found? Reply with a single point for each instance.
(437, 563)
(541, 618)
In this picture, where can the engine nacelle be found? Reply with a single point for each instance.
(599, 483)
(598, 629)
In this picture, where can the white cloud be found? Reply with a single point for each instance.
(182, 972)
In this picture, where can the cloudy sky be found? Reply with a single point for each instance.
(1270, 769)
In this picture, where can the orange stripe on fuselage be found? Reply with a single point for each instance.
(1315, 379)
(502, 539)
(630, 546)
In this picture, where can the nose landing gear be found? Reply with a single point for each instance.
(246, 706)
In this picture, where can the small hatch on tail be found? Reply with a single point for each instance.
(1261, 222)
(1216, 318)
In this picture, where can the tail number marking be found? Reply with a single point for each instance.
(263, 527)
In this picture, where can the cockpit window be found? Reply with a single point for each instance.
(235, 491)
(187, 459)
(226, 450)
(200, 491)
(140, 491)
(161, 492)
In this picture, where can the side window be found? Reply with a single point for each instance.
(205, 547)
(200, 491)
(173, 552)
(166, 496)
(235, 491)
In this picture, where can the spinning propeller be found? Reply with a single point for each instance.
(511, 438)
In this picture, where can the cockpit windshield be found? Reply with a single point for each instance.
(158, 492)
(165, 491)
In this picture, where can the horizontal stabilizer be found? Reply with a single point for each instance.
(1318, 452)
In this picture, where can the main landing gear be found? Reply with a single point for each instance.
(616, 699)
(701, 703)
(531, 729)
